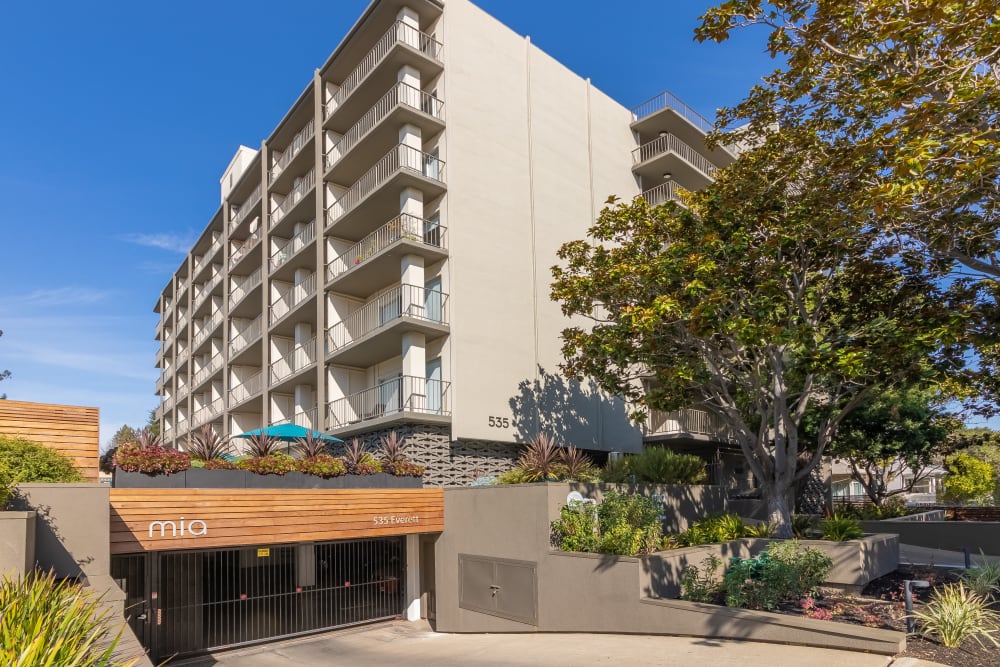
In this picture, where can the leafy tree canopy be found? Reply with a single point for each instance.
(968, 479)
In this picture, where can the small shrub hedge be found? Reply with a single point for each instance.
(273, 464)
(154, 460)
(784, 572)
(840, 529)
(24, 461)
(622, 525)
(656, 465)
(714, 529)
(322, 465)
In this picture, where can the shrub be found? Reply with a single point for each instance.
(275, 464)
(955, 613)
(541, 461)
(50, 623)
(577, 466)
(577, 529)
(23, 461)
(761, 530)
(701, 585)
(656, 465)
(784, 572)
(983, 579)
(321, 465)
(146, 439)
(392, 448)
(712, 529)
(403, 469)
(968, 479)
(151, 460)
(513, 476)
(311, 446)
(622, 525)
(220, 464)
(804, 526)
(207, 445)
(262, 445)
(840, 529)
(356, 455)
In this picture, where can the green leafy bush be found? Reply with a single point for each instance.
(805, 527)
(275, 464)
(626, 525)
(656, 465)
(840, 529)
(983, 579)
(43, 622)
(784, 572)
(220, 464)
(710, 530)
(955, 614)
(968, 479)
(151, 460)
(544, 461)
(701, 585)
(577, 529)
(24, 461)
(403, 469)
(761, 530)
(321, 465)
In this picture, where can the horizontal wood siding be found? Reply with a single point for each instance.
(237, 517)
(70, 429)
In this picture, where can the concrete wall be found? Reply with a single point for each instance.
(948, 535)
(682, 504)
(72, 536)
(17, 542)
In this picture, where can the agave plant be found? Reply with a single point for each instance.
(542, 459)
(208, 445)
(392, 448)
(355, 455)
(578, 466)
(261, 445)
(146, 439)
(311, 446)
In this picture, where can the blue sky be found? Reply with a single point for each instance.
(118, 119)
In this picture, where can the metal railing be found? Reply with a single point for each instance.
(168, 403)
(208, 328)
(182, 286)
(301, 356)
(304, 418)
(668, 99)
(213, 366)
(400, 94)
(246, 208)
(668, 143)
(663, 193)
(246, 390)
(399, 33)
(208, 412)
(292, 246)
(249, 244)
(241, 338)
(244, 287)
(182, 321)
(182, 357)
(295, 147)
(399, 157)
(688, 422)
(202, 293)
(404, 226)
(307, 183)
(399, 395)
(386, 308)
(288, 300)
(209, 254)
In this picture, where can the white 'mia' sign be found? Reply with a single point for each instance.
(193, 528)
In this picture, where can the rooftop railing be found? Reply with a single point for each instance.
(307, 183)
(295, 147)
(399, 395)
(668, 143)
(301, 356)
(292, 297)
(292, 246)
(667, 99)
(404, 226)
(386, 308)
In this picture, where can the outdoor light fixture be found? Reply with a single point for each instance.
(667, 175)
(663, 133)
(908, 584)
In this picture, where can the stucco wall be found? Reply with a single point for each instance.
(17, 542)
(948, 535)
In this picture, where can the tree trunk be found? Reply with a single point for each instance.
(778, 514)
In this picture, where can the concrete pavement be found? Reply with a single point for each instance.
(909, 554)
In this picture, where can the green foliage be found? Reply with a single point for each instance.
(622, 524)
(275, 464)
(543, 461)
(403, 469)
(219, 464)
(761, 530)
(784, 572)
(392, 448)
(713, 529)
(43, 622)
(206, 445)
(891, 508)
(24, 461)
(513, 476)
(153, 460)
(656, 465)
(968, 479)
(321, 465)
(840, 529)
(805, 526)
(983, 579)
(311, 446)
(261, 445)
(577, 466)
(982, 444)
(701, 585)
(577, 529)
(955, 614)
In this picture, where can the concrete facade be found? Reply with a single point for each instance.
(17, 543)
(975, 536)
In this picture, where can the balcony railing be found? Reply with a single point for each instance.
(291, 247)
(404, 226)
(246, 208)
(182, 321)
(386, 308)
(399, 33)
(668, 143)
(298, 142)
(663, 193)
(307, 183)
(211, 368)
(208, 412)
(244, 287)
(249, 244)
(209, 254)
(305, 419)
(246, 390)
(182, 285)
(182, 359)
(241, 338)
(688, 422)
(291, 298)
(668, 99)
(206, 289)
(301, 356)
(400, 157)
(400, 395)
(400, 94)
(208, 328)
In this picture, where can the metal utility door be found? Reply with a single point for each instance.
(499, 587)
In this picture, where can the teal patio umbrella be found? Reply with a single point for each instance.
(289, 433)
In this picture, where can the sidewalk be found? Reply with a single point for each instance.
(909, 554)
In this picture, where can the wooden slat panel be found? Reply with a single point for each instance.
(237, 517)
(72, 430)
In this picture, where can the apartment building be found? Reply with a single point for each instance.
(381, 261)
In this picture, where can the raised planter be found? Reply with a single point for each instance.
(200, 478)
(141, 480)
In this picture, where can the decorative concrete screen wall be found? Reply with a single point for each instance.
(167, 519)
(70, 429)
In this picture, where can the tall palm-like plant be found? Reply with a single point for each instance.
(146, 439)
(541, 460)
(577, 465)
(392, 448)
(311, 446)
(355, 455)
(208, 445)
(261, 445)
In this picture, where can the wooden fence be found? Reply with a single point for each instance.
(70, 429)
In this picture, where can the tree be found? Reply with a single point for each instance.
(758, 302)
(982, 444)
(152, 423)
(3, 374)
(899, 430)
(123, 435)
(968, 479)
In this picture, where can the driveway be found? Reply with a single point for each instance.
(399, 642)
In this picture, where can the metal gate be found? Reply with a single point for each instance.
(189, 602)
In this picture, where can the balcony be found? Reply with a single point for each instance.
(159, 385)
(298, 359)
(168, 404)
(305, 419)
(244, 249)
(182, 358)
(374, 331)
(668, 113)
(287, 254)
(244, 391)
(668, 154)
(402, 44)
(402, 167)
(182, 286)
(246, 210)
(206, 259)
(208, 329)
(207, 413)
(362, 268)
(242, 339)
(686, 424)
(296, 146)
(378, 129)
(663, 193)
(401, 399)
(208, 371)
(202, 293)
(242, 287)
(292, 298)
(299, 195)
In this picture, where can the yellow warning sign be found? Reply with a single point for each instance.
(263, 553)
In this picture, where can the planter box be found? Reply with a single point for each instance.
(290, 480)
(141, 480)
(199, 478)
(856, 562)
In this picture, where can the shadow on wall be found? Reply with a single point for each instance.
(574, 413)
(50, 550)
